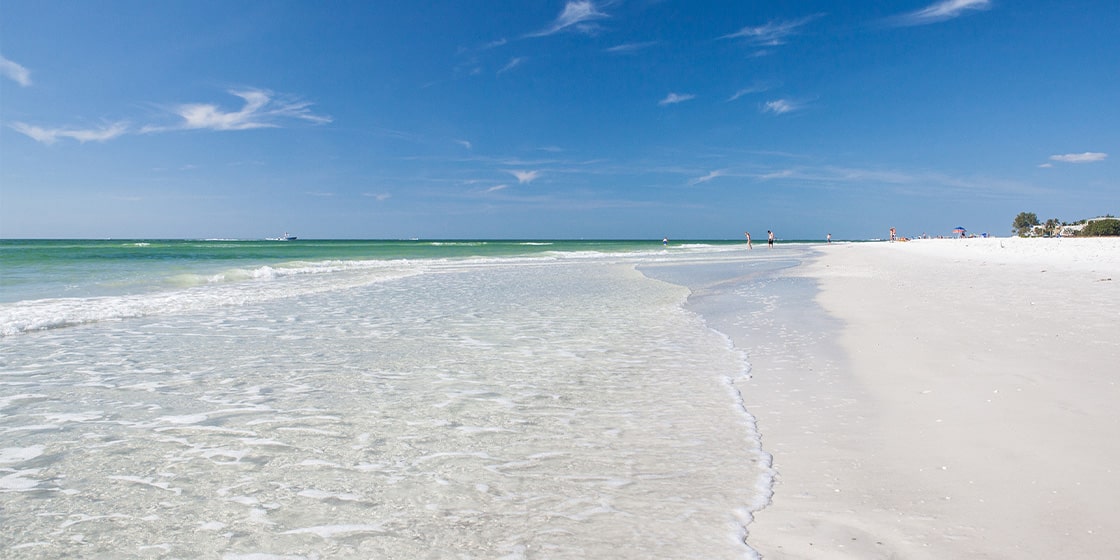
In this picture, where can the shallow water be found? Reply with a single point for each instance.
(497, 409)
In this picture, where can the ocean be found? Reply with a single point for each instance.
(374, 399)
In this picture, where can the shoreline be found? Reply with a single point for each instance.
(954, 401)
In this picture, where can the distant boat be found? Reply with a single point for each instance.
(286, 237)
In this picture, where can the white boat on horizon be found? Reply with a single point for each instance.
(286, 237)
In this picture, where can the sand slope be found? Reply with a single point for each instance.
(973, 410)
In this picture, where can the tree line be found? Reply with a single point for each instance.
(1026, 222)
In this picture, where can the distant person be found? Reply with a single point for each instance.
(769, 238)
(665, 241)
(829, 237)
(748, 234)
(892, 235)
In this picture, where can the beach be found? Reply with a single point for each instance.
(957, 400)
(927, 399)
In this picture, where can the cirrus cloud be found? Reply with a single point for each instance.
(771, 34)
(708, 177)
(758, 87)
(627, 48)
(781, 106)
(578, 15)
(261, 110)
(51, 135)
(524, 177)
(15, 72)
(674, 98)
(1086, 157)
(513, 63)
(941, 11)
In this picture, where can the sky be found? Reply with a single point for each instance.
(553, 119)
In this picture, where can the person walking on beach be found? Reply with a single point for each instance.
(828, 237)
(770, 238)
(892, 235)
(748, 234)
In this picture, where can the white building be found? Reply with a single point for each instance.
(1066, 230)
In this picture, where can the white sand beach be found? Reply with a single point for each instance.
(966, 405)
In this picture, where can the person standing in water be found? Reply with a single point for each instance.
(665, 241)
(748, 234)
(770, 238)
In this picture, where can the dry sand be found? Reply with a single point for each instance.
(967, 406)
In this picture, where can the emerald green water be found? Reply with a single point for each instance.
(38, 269)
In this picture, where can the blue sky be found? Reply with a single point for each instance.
(553, 119)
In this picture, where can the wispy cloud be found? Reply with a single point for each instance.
(377, 196)
(464, 143)
(524, 177)
(51, 135)
(708, 177)
(773, 33)
(494, 44)
(1087, 157)
(261, 110)
(754, 88)
(674, 98)
(781, 106)
(919, 183)
(513, 63)
(578, 15)
(628, 48)
(940, 11)
(497, 188)
(780, 174)
(15, 72)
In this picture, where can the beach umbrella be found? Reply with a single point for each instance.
(959, 229)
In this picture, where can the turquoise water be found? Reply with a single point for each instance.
(374, 399)
(48, 284)
(36, 269)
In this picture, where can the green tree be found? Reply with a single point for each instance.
(1024, 222)
(1102, 228)
(1051, 226)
